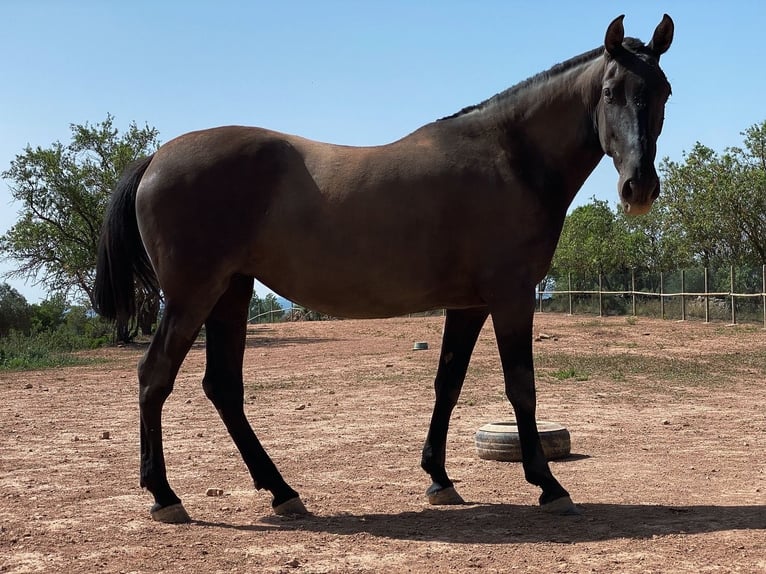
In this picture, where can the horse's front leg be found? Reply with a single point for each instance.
(461, 329)
(513, 329)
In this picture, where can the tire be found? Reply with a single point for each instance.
(500, 441)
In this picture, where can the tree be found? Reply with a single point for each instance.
(63, 191)
(15, 312)
(749, 205)
(655, 240)
(266, 310)
(49, 314)
(595, 241)
(714, 206)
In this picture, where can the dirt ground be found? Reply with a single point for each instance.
(668, 456)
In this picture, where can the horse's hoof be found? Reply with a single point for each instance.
(292, 507)
(563, 507)
(444, 496)
(173, 514)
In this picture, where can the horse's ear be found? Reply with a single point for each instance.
(663, 36)
(615, 34)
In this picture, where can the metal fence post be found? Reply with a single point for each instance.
(733, 302)
(633, 288)
(600, 297)
(763, 293)
(569, 279)
(707, 300)
(683, 298)
(662, 297)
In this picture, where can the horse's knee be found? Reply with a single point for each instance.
(221, 394)
(211, 391)
(520, 390)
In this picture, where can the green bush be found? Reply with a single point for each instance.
(54, 347)
(21, 352)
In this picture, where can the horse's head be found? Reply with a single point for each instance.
(631, 110)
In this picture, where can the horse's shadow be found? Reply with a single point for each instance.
(504, 523)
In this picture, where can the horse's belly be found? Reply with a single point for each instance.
(366, 288)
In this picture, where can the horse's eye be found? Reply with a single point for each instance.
(607, 94)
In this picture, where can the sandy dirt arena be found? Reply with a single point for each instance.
(668, 426)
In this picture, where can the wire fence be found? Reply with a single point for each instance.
(733, 295)
(273, 312)
(728, 294)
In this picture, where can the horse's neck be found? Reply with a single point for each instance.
(556, 118)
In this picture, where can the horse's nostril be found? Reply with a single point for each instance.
(627, 190)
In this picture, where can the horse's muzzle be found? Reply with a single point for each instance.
(637, 195)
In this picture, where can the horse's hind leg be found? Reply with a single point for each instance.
(225, 344)
(157, 371)
(461, 329)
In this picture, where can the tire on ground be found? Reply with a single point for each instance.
(500, 441)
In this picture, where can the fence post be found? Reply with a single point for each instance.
(633, 288)
(683, 298)
(540, 295)
(763, 293)
(662, 297)
(707, 300)
(733, 302)
(569, 280)
(600, 297)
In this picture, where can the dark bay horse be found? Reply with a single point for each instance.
(463, 214)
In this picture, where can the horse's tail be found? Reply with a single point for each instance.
(122, 259)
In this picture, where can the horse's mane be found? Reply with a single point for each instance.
(632, 44)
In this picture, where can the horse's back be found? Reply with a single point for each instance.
(320, 223)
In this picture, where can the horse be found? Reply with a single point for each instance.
(463, 214)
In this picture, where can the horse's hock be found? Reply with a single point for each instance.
(500, 441)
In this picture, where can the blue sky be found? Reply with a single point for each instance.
(349, 72)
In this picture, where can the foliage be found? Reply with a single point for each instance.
(48, 333)
(49, 349)
(15, 312)
(63, 191)
(48, 315)
(303, 314)
(587, 242)
(712, 208)
(266, 310)
(595, 241)
(656, 244)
